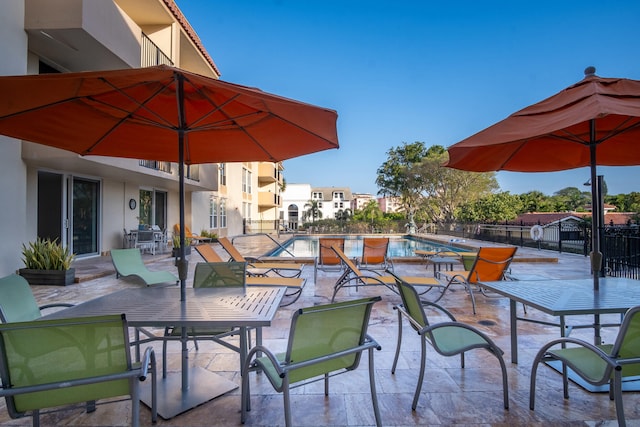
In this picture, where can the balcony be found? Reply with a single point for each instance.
(267, 199)
(269, 173)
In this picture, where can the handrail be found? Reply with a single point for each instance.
(269, 236)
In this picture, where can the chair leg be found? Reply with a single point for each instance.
(617, 397)
(287, 402)
(372, 385)
(423, 360)
(395, 359)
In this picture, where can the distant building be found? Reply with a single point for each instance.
(296, 198)
(390, 204)
(360, 200)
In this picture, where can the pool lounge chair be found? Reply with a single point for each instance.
(374, 254)
(17, 303)
(283, 269)
(327, 260)
(354, 278)
(490, 265)
(294, 284)
(128, 262)
(189, 235)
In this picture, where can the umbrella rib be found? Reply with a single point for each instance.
(129, 114)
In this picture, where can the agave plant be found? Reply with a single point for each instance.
(45, 254)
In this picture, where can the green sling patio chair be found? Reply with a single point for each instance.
(597, 365)
(210, 275)
(75, 360)
(128, 262)
(17, 303)
(324, 341)
(447, 338)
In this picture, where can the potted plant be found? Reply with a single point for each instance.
(176, 246)
(47, 263)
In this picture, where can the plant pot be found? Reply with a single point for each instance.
(49, 277)
(175, 252)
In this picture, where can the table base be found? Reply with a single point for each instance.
(204, 385)
(630, 384)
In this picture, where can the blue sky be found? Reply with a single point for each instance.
(431, 71)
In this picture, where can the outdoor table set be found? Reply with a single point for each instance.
(568, 297)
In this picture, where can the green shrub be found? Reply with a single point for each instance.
(46, 255)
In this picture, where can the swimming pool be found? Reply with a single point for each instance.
(399, 246)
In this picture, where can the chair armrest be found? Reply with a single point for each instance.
(56, 305)
(148, 362)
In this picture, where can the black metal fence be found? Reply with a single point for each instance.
(620, 245)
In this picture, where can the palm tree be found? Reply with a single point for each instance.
(312, 211)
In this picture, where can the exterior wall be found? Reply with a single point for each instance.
(294, 195)
(13, 185)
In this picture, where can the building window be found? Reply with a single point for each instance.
(246, 180)
(316, 195)
(338, 195)
(246, 211)
(213, 213)
(319, 205)
(222, 168)
(223, 213)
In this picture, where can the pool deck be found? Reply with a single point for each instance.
(450, 395)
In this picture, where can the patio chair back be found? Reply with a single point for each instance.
(321, 331)
(50, 363)
(17, 303)
(374, 253)
(491, 264)
(627, 345)
(207, 252)
(217, 274)
(326, 255)
(231, 250)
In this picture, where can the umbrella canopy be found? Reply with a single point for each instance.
(594, 122)
(162, 113)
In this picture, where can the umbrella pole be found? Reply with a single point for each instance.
(596, 255)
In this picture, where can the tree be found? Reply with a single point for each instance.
(444, 189)
(344, 214)
(398, 176)
(370, 213)
(571, 199)
(417, 175)
(496, 207)
(312, 211)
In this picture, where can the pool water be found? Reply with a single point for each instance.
(399, 246)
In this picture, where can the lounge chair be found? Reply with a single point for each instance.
(283, 269)
(210, 275)
(294, 284)
(354, 278)
(189, 235)
(597, 365)
(46, 364)
(374, 254)
(490, 265)
(128, 262)
(327, 260)
(324, 341)
(17, 303)
(447, 338)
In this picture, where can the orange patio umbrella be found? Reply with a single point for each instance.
(162, 113)
(594, 122)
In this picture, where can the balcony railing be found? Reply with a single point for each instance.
(156, 165)
(152, 55)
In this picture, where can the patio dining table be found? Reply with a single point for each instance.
(568, 297)
(253, 307)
